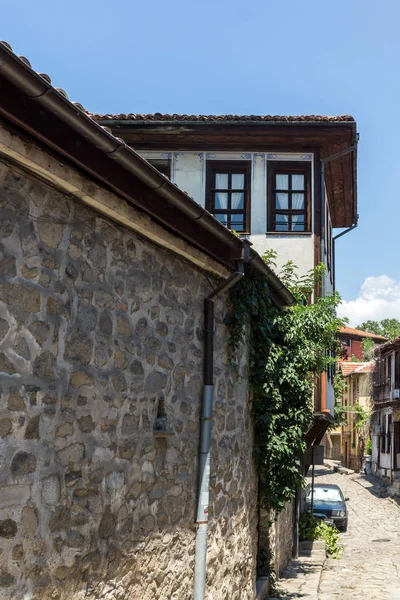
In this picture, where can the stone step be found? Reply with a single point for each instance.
(312, 545)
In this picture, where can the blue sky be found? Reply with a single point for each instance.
(286, 57)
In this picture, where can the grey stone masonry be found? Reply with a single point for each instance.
(99, 328)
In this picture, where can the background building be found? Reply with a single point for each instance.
(385, 422)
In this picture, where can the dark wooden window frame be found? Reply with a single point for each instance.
(288, 168)
(230, 167)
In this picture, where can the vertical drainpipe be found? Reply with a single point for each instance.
(200, 566)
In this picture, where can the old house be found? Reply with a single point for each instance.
(385, 421)
(106, 269)
(336, 446)
(352, 341)
(357, 401)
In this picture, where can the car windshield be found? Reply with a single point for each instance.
(327, 494)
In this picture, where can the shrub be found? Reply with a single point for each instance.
(311, 528)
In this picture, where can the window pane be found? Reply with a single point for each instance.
(282, 182)
(298, 201)
(222, 218)
(221, 200)
(237, 222)
(297, 182)
(221, 181)
(281, 222)
(298, 223)
(282, 201)
(237, 200)
(237, 181)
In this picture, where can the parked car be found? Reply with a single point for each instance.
(328, 503)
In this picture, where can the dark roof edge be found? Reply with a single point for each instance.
(265, 123)
(387, 346)
(18, 72)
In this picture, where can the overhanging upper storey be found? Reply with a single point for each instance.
(325, 136)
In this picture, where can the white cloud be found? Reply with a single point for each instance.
(379, 298)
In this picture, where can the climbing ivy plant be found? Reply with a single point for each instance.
(288, 349)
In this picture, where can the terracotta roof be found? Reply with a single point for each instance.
(366, 368)
(352, 331)
(350, 368)
(226, 118)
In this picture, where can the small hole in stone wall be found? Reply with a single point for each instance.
(161, 429)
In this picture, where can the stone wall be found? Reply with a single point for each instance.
(100, 333)
(332, 445)
(275, 539)
(282, 537)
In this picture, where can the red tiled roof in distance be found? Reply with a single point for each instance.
(366, 368)
(350, 331)
(350, 368)
(225, 118)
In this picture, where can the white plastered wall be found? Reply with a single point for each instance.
(188, 171)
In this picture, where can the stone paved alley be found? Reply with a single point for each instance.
(370, 566)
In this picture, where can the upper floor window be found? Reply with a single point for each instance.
(289, 197)
(162, 165)
(228, 193)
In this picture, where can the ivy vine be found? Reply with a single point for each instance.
(287, 350)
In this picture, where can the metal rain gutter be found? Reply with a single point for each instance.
(206, 422)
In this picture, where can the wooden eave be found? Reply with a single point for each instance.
(325, 138)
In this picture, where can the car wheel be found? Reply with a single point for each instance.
(343, 527)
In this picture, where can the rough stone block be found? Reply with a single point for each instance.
(79, 379)
(3, 328)
(5, 427)
(155, 382)
(23, 463)
(86, 424)
(15, 402)
(8, 528)
(50, 233)
(79, 347)
(20, 296)
(6, 365)
(71, 454)
(6, 579)
(32, 429)
(44, 365)
(107, 524)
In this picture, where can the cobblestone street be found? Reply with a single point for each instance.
(370, 566)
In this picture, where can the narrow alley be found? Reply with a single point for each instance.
(369, 567)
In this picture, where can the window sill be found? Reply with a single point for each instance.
(289, 233)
